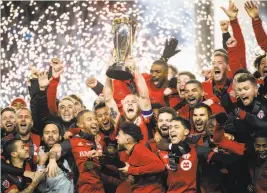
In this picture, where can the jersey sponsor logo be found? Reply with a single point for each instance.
(186, 165)
(260, 114)
(84, 153)
(6, 184)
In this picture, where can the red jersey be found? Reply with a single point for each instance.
(240, 46)
(184, 178)
(260, 34)
(121, 90)
(209, 87)
(52, 95)
(187, 113)
(156, 94)
(89, 179)
(142, 162)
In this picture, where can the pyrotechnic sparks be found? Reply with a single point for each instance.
(79, 33)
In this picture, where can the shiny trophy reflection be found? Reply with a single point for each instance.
(123, 29)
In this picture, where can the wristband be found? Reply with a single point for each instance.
(147, 113)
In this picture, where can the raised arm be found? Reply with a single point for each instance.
(110, 102)
(232, 12)
(57, 70)
(224, 24)
(253, 12)
(144, 100)
(95, 85)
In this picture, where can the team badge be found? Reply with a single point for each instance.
(186, 165)
(260, 114)
(6, 184)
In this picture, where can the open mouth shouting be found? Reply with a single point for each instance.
(106, 123)
(94, 128)
(217, 73)
(263, 155)
(164, 129)
(155, 81)
(23, 126)
(130, 110)
(67, 116)
(192, 100)
(9, 125)
(199, 125)
(174, 137)
(245, 100)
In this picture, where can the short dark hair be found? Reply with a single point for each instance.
(77, 98)
(10, 147)
(168, 110)
(54, 121)
(133, 130)
(99, 105)
(222, 54)
(195, 82)
(156, 105)
(258, 61)
(189, 74)
(81, 113)
(242, 70)
(203, 105)
(247, 77)
(260, 134)
(162, 63)
(8, 109)
(183, 121)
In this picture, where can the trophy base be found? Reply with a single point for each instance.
(119, 72)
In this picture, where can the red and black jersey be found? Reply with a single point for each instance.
(187, 113)
(145, 166)
(184, 178)
(89, 179)
(33, 144)
(147, 125)
(10, 182)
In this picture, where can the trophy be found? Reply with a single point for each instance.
(124, 30)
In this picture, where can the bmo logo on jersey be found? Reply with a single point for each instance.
(186, 165)
(84, 154)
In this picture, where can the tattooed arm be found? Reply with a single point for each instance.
(38, 176)
(110, 102)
